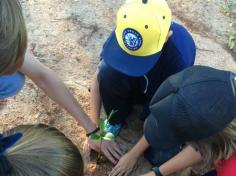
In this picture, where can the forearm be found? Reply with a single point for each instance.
(48, 81)
(139, 148)
(58, 92)
(127, 162)
(95, 100)
(186, 158)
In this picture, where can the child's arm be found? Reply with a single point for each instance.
(95, 100)
(184, 159)
(128, 161)
(109, 148)
(48, 81)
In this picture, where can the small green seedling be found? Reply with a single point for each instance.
(225, 8)
(102, 134)
(232, 36)
(229, 8)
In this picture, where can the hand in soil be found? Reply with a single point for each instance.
(149, 174)
(109, 148)
(124, 166)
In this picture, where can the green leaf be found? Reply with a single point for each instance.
(233, 24)
(225, 9)
(103, 121)
(231, 38)
(95, 137)
(109, 136)
(111, 114)
(102, 124)
(231, 44)
(103, 135)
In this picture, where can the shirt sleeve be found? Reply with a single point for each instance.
(227, 167)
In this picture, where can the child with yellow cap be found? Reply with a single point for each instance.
(145, 48)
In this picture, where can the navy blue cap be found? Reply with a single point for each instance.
(191, 105)
(131, 65)
(8, 141)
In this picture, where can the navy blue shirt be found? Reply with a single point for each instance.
(177, 54)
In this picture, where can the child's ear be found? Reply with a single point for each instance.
(169, 35)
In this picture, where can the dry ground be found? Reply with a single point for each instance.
(67, 36)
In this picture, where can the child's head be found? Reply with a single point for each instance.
(196, 105)
(13, 36)
(142, 27)
(149, 20)
(41, 150)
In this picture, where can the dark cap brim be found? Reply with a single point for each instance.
(125, 63)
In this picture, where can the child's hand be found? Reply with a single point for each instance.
(109, 148)
(124, 166)
(149, 174)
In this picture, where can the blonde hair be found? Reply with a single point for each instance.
(42, 151)
(217, 147)
(13, 36)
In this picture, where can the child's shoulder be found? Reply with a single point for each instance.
(182, 42)
(179, 28)
(181, 35)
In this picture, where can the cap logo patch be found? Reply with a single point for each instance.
(132, 39)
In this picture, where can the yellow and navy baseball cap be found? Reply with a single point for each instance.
(141, 30)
